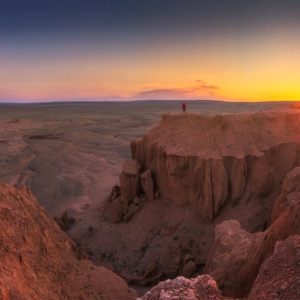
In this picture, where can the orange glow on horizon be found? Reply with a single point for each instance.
(256, 70)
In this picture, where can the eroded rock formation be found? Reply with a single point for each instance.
(278, 279)
(125, 199)
(202, 287)
(209, 161)
(237, 255)
(38, 260)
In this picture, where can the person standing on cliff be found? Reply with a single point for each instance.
(183, 107)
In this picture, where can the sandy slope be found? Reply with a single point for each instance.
(39, 261)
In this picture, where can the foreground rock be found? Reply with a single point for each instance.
(237, 255)
(279, 276)
(278, 279)
(209, 161)
(202, 287)
(38, 260)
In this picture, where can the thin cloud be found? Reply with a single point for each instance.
(167, 94)
(201, 91)
(206, 86)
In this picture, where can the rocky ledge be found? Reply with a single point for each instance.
(208, 161)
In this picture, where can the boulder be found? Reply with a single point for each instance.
(279, 275)
(189, 269)
(147, 184)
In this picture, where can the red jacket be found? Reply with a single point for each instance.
(183, 105)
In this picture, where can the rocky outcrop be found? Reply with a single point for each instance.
(231, 258)
(278, 277)
(39, 261)
(202, 287)
(291, 184)
(237, 255)
(130, 181)
(125, 199)
(65, 221)
(207, 162)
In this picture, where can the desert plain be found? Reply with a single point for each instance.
(70, 155)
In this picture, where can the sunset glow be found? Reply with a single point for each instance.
(174, 51)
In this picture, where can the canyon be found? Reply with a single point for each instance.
(213, 198)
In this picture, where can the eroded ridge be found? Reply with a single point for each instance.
(208, 161)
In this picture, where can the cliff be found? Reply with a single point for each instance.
(38, 260)
(236, 255)
(208, 161)
(278, 279)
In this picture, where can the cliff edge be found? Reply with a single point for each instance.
(208, 161)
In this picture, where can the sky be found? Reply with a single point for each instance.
(234, 50)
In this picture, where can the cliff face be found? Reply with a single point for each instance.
(208, 161)
(278, 279)
(38, 260)
(236, 255)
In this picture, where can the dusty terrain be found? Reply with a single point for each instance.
(70, 156)
(39, 261)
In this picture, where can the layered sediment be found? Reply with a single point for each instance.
(208, 161)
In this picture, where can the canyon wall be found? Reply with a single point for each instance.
(208, 161)
(236, 255)
(278, 279)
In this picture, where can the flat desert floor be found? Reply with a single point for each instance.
(70, 155)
